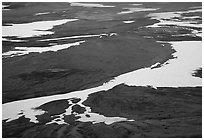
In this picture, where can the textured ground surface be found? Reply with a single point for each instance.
(165, 112)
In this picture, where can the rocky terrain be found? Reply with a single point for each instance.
(162, 112)
(111, 44)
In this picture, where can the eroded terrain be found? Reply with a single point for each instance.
(71, 69)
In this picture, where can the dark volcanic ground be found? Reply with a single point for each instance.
(162, 112)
